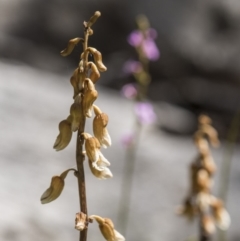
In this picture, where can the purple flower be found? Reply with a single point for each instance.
(127, 139)
(147, 43)
(135, 38)
(145, 113)
(132, 67)
(129, 91)
(150, 49)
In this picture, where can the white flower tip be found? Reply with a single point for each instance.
(118, 236)
(224, 222)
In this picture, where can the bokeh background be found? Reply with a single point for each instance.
(198, 72)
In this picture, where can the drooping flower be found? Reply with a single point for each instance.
(56, 187)
(76, 114)
(220, 214)
(54, 191)
(65, 134)
(90, 95)
(145, 113)
(106, 227)
(100, 131)
(93, 152)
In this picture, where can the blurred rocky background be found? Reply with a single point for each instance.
(198, 72)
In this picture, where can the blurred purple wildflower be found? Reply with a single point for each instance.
(145, 113)
(132, 67)
(129, 91)
(148, 45)
(127, 139)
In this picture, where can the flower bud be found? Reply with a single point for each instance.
(106, 227)
(71, 45)
(97, 59)
(94, 18)
(80, 221)
(90, 95)
(94, 75)
(76, 114)
(54, 191)
(100, 122)
(64, 136)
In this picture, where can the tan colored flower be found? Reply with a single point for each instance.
(94, 75)
(93, 152)
(65, 134)
(54, 191)
(203, 181)
(207, 163)
(76, 114)
(203, 201)
(71, 44)
(220, 214)
(101, 172)
(80, 221)
(208, 225)
(100, 122)
(90, 95)
(106, 227)
(56, 187)
(97, 59)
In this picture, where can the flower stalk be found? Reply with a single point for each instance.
(200, 202)
(83, 82)
(142, 40)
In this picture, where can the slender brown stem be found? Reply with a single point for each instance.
(80, 156)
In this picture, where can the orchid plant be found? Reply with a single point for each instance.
(85, 94)
(143, 40)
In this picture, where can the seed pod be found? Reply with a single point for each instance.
(97, 59)
(90, 95)
(94, 75)
(100, 122)
(54, 191)
(71, 45)
(76, 114)
(64, 136)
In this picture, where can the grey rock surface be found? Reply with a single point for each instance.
(32, 103)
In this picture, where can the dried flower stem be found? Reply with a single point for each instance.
(80, 157)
